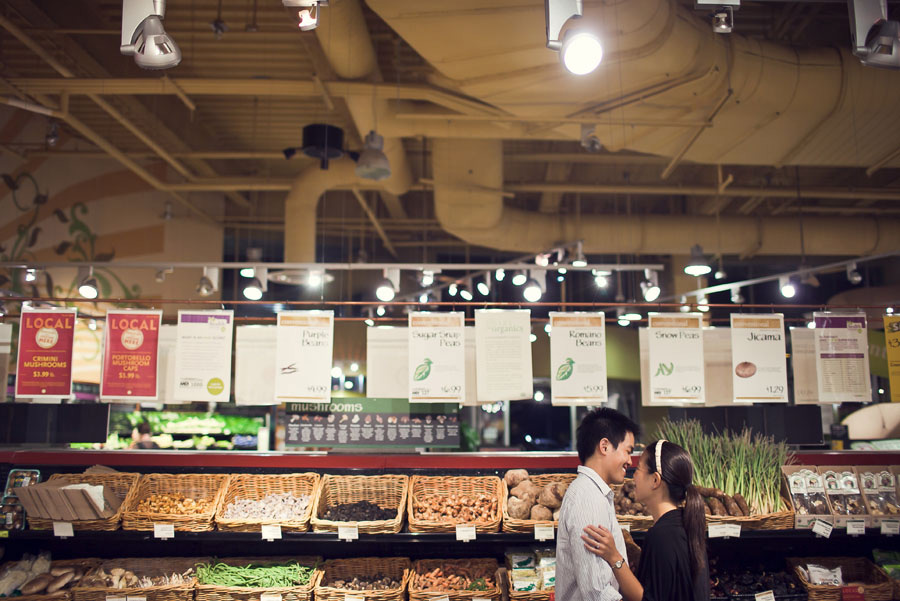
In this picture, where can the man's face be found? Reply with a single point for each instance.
(617, 460)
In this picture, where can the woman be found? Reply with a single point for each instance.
(673, 559)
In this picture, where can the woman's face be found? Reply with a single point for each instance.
(643, 480)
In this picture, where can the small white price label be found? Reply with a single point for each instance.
(890, 527)
(724, 530)
(63, 529)
(164, 531)
(270, 597)
(348, 533)
(626, 527)
(354, 598)
(544, 533)
(822, 529)
(856, 527)
(115, 598)
(480, 599)
(271, 531)
(765, 596)
(133, 598)
(465, 533)
(441, 598)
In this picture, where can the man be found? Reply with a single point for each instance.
(140, 437)
(605, 441)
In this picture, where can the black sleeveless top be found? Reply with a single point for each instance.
(665, 567)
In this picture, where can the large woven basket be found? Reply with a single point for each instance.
(469, 567)
(876, 583)
(386, 491)
(144, 567)
(194, 486)
(210, 592)
(424, 486)
(256, 487)
(344, 569)
(85, 565)
(511, 524)
(120, 483)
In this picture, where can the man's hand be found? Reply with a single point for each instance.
(599, 541)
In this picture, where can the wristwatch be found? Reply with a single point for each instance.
(618, 564)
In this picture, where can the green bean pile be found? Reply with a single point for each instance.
(254, 576)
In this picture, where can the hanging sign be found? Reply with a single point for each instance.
(803, 366)
(304, 356)
(437, 357)
(503, 354)
(130, 355)
(203, 356)
(892, 342)
(759, 368)
(44, 365)
(578, 358)
(842, 357)
(676, 358)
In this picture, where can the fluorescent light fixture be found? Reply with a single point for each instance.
(373, 164)
(388, 286)
(258, 285)
(87, 283)
(853, 274)
(484, 286)
(209, 281)
(500, 274)
(145, 38)
(519, 278)
(697, 265)
(650, 286)
(787, 286)
(579, 260)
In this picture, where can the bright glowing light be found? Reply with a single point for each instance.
(532, 337)
(354, 367)
(547, 327)
(348, 384)
(500, 274)
(538, 396)
(532, 292)
(380, 311)
(337, 372)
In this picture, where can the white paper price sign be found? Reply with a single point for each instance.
(133, 598)
(724, 530)
(676, 359)
(164, 531)
(441, 598)
(856, 527)
(271, 532)
(578, 358)
(437, 357)
(348, 533)
(758, 369)
(63, 529)
(465, 533)
(304, 355)
(890, 527)
(354, 598)
(765, 596)
(822, 529)
(480, 599)
(270, 597)
(544, 533)
(115, 598)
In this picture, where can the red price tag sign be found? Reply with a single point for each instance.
(130, 355)
(44, 364)
(852, 593)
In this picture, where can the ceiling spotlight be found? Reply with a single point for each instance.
(52, 136)
(787, 286)
(209, 281)
(532, 337)
(30, 275)
(601, 279)
(218, 26)
(423, 298)
(534, 289)
(484, 286)
(309, 14)
(650, 286)
(723, 19)
(810, 279)
(685, 307)
(736, 296)
(388, 285)
(380, 311)
(889, 310)
(720, 272)
(542, 260)
(697, 265)
(162, 273)
(427, 278)
(145, 38)
(853, 275)
(581, 52)
(632, 316)
(875, 39)
(500, 274)
(452, 289)
(337, 372)
(811, 324)
(87, 283)
(519, 278)
(373, 163)
(316, 278)
(538, 395)
(369, 321)
(547, 327)
(465, 292)
(254, 255)
(624, 322)
(579, 260)
(703, 304)
(258, 284)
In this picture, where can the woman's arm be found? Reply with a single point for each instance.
(599, 541)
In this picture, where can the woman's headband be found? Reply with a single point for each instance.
(659, 446)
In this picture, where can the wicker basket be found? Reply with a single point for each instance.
(121, 484)
(86, 565)
(387, 491)
(145, 567)
(457, 566)
(423, 486)
(780, 520)
(511, 524)
(876, 583)
(256, 487)
(195, 486)
(393, 567)
(210, 592)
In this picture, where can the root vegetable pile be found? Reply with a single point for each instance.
(457, 576)
(174, 503)
(625, 502)
(361, 511)
(283, 506)
(378, 582)
(530, 501)
(456, 508)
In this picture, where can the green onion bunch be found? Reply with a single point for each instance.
(255, 576)
(746, 463)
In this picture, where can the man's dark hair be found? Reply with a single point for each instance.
(599, 424)
(143, 428)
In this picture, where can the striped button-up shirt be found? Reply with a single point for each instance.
(581, 575)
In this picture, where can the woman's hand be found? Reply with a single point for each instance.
(599, 541)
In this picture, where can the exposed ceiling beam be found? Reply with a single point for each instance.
(392, 203)
(363, 203)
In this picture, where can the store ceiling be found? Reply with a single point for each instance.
(822, 126)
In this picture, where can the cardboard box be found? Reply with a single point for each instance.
(804, 520)
(843, 494)
(60, 501)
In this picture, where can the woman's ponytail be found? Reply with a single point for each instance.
(695, 528)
